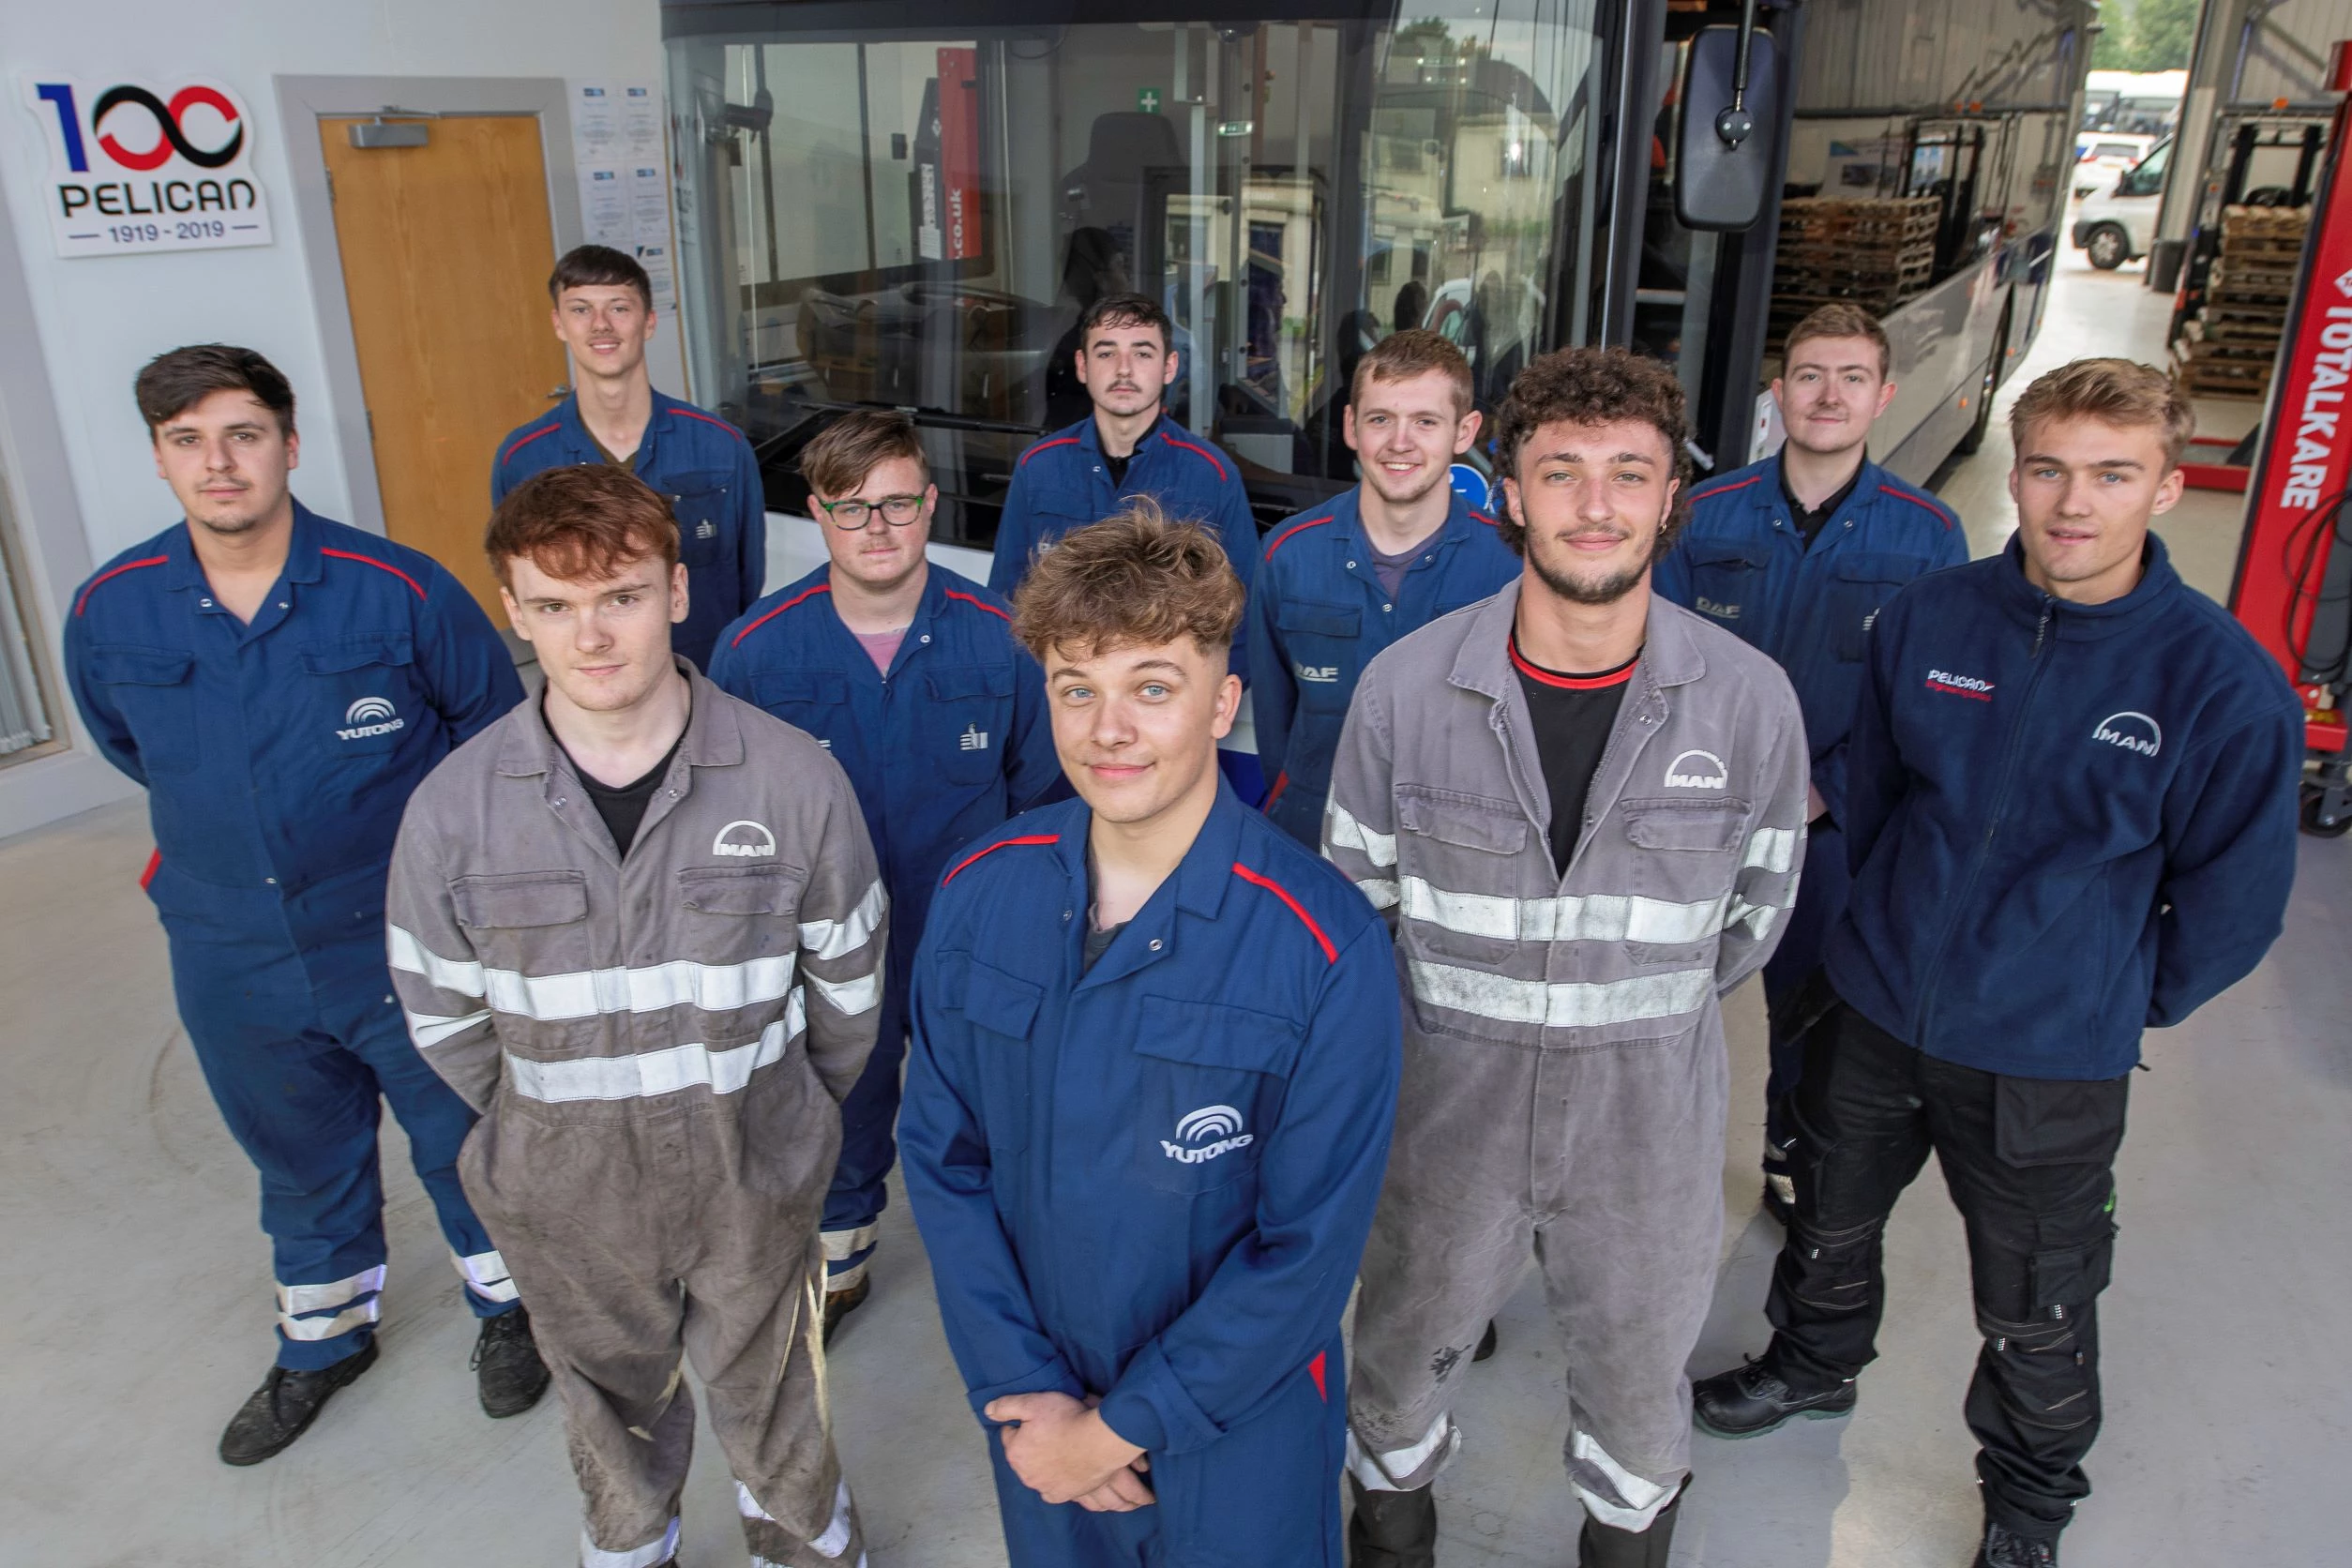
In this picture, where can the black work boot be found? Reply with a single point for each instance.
(1606, 1546)
(1391, 1529)
(1749, 1401)
(841, 1303)
(509, 1375)
(2004, 1547)
(1485, 1343)
(282, 1409)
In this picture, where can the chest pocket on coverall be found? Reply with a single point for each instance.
(810, 700)
(1002, 1008)
(534, 925)
(1455, 847)
(366, 692)
(1209, 1085)
(1693, 853)
(1863, 583)
(150, 688)
(701, 508)
(1725, 576)
(975, 722)
(1320, 638)
(742, 917)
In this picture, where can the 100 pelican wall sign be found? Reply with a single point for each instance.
(133, 168)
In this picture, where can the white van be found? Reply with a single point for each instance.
(2117, 224)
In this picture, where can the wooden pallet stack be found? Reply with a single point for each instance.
(1873, 252)
(2228, 348)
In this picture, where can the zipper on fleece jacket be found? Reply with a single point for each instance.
(1992, 825)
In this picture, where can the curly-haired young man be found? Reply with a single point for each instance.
(1583, 808)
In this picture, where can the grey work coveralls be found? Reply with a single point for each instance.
(658, 1047)
(1564, 1071)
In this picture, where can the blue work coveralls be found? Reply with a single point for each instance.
(1151, 1181)
(277, 756)
(1743, 562)
(1317, 614)
(952, 741)
(705, 469)
(1063, 482)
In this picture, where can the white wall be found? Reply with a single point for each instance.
(97, 320)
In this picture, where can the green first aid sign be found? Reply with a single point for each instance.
(1146, 100)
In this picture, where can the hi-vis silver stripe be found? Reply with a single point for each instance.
(1771, 849)
(1388, 1471)
(296, 1299)
(652, 1552)
(1588, 917)
(831, 1544)
(1341, 831)
(850, 997)
(1561, 1004)
(327, 1328)
(1638, 1500)
(838, 939)
(428, 1031)
(1380, 890)
(1757, 918)
(586, 993)
(841, 1245)
(486, 1271)
(654, 1072)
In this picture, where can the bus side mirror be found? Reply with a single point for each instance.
(1727, 137)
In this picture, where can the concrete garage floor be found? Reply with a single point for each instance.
(136, 1314)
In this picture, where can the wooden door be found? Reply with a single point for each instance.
(446, 251)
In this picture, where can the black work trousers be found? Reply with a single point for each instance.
(2029, 1163)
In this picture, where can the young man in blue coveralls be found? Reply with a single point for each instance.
(1794, 555)
(279, 683)
(913, 680)
(2071, 796)
(1128, 446)
(604, 314)
(1154, 1068)
(1341, 581)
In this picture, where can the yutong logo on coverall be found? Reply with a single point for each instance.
(1220, 1124)
(371, 716)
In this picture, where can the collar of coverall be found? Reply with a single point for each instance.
(1669, 655)
(183, 570)
(713, 738)
(584, 446)
(1347, 520)
(1202, 877)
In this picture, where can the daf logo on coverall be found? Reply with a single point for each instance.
(1705, 772)
(745, 840)
(371, 716)
(1206, 1133)
(2132, 732)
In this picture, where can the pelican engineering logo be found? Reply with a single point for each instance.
(744, 840)
(2132, 732)
(973, 739)
(1706, 772)
(140, 167)
(706, 529)
(370, 716)
(1204, 1134)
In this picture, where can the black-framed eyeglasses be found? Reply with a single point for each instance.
(851, 516)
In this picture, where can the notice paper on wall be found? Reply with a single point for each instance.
(621, 157)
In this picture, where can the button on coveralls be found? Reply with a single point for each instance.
(1151, 1181)
(944, 748)
(658, 1047)
(277, 754)
(1565, 1072)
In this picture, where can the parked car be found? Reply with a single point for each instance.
(2101, 156)
(2118, 225)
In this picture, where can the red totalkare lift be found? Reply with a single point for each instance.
(2293, 583)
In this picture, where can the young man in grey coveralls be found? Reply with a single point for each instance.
(1585, 809)
(639, 927)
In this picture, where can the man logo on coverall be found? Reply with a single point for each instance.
(1496, 791)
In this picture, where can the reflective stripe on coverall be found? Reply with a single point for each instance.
(658, 1047)
(1596, 1132)
(1151, 1181)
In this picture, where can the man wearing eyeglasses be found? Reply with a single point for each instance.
(913, 681)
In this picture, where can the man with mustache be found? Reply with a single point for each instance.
(1583, 808)
(696, 462)
(1794, 555)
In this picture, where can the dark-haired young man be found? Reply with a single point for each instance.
(1585, 807)
(913, 681)
(1154, 1072)
(1127, 447)
(1343, 581)
(604, 314)
(638, 925)
(2071, 788)
(279, 683)
(1794, 555)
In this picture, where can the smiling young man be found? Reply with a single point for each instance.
(1155, 1066)
(912, 679)
(639, 927)
(280, 683)
(1584, 808)
(2071, 795)
(1794, 555)
(696, 462)
(1127, 447)
(1341, 581)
